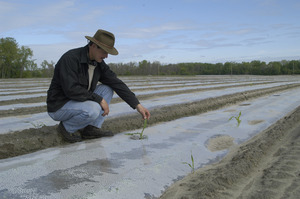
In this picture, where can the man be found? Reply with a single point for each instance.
(77, 100)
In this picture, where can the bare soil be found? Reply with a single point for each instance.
(30, 140)
(267, 166)
(40, 109)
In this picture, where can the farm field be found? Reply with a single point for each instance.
(251, 155)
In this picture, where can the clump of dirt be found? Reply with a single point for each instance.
(254, 122)
(245, 104)
(220, 142)
(230, 110)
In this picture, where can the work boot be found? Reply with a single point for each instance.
(69, 137)
(90, 132)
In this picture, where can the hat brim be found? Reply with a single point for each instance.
(112, 51)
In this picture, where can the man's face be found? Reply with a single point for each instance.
(97, 53)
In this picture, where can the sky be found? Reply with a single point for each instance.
(168, 31)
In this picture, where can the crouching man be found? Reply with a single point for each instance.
(77, 100)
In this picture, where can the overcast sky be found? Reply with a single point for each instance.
(169, 31)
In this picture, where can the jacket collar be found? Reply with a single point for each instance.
(84, 55)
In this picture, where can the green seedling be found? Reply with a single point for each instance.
(237, 118)
(191, 165)
(38, 124)
(141, 134)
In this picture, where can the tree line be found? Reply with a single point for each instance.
(16, 62)
(255, 67)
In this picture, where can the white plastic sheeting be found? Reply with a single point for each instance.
(9, 124)
(119, 167)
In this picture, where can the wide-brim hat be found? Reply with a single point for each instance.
(105, 40)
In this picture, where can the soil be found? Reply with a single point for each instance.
(267, 166)
(34, 139)
(39, 109)
(220, 142)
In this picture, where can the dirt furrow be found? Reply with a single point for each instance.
(23, 93)
(267, 166)
(280, 171)
(30, 140)
(142, 97)
(40, 109)
(23, 101)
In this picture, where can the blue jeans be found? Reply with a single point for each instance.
(77, 115)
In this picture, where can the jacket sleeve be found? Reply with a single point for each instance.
(74, 84)
(109, 78)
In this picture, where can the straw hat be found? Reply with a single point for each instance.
(104, 40)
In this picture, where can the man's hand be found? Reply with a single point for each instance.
(143, 111)
(104, 107)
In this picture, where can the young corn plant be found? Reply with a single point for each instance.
(237, 119)
(38, 124)
(140, 134)
(192, 165)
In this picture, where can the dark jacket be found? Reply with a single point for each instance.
(70, 81)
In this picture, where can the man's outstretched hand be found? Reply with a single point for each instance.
(143, 111)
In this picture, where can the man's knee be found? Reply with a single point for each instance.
(103, 89)
(92, 111)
